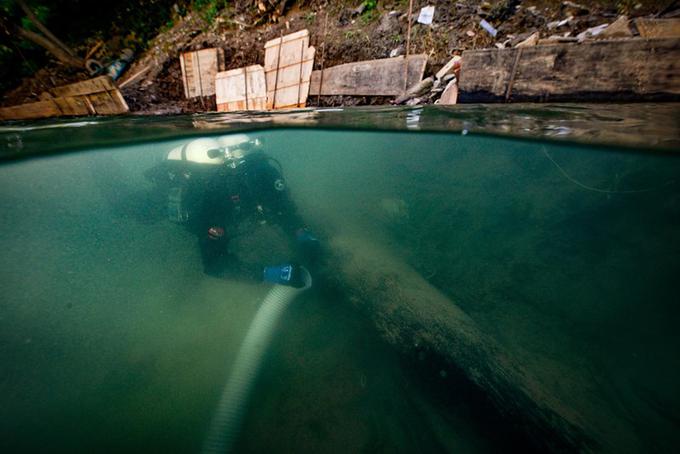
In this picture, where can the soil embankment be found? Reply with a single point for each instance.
(343, 32)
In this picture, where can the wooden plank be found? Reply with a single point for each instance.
(450, 95)
(40, 109)
(658, 28)
(72, 105)
(632, 69)
(293, 83)
(288, 65)
(452, 66)
(98, 84)
(383, 77)
(198, 71)
(106, 102)
(241, 89)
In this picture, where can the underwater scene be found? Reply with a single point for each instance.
(372, 291)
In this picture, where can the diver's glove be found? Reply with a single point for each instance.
(289, 274)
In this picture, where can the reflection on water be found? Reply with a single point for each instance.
(565, 257)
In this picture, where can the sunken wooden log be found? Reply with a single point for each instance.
(617, 70)
(411, 314)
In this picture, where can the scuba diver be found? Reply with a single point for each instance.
(223, 187)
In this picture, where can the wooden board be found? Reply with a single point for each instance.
(658, 28)
(632, 69)
(198, 71)
(40, 109)
(241, 89)
(86, 87)
(450, 95)
(98, 96)
(383, 77)
(288, 64)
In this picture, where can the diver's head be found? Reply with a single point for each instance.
(236, 147)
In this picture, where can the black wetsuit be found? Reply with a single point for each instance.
(218, 201)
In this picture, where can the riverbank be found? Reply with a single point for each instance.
(342, 32)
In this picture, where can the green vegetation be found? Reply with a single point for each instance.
(370, 13)
(209, 9)
(80, 24)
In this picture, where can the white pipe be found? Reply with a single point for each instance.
(226, 421)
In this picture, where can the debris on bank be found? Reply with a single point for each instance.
(497, 53)
(98, 96)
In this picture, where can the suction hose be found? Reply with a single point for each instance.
(226, 421)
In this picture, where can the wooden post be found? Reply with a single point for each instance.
(245, 84)
(408, 44)
(512, 75)
(200, 80)
(278, 68)
(408, 32)
(323, 57)
(302, 62)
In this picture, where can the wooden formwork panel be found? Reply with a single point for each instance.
(658, 28)
(199, 69)
(288, 64)
(241, 89)
(382, 77)
(630, 69)
(98, 96)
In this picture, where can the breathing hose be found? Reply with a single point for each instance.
(226, 421)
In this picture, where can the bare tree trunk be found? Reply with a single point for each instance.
(52, 48)
(32, 17)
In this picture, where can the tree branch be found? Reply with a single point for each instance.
(32, 17)
(52, 48)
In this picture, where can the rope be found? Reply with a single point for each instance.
(600, 190)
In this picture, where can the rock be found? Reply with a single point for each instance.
(591, 32)
(397, 51)
(618, 29)
(521, 37)
(557, 39)
(414, 101)
(560, 23)
(530, 41)
(470, 33)
(389, 24)
(575, 8)
(418, 89)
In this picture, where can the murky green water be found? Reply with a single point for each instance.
(565, 257)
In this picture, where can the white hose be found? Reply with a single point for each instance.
(226, 422)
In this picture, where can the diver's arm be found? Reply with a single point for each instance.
(285, 212)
